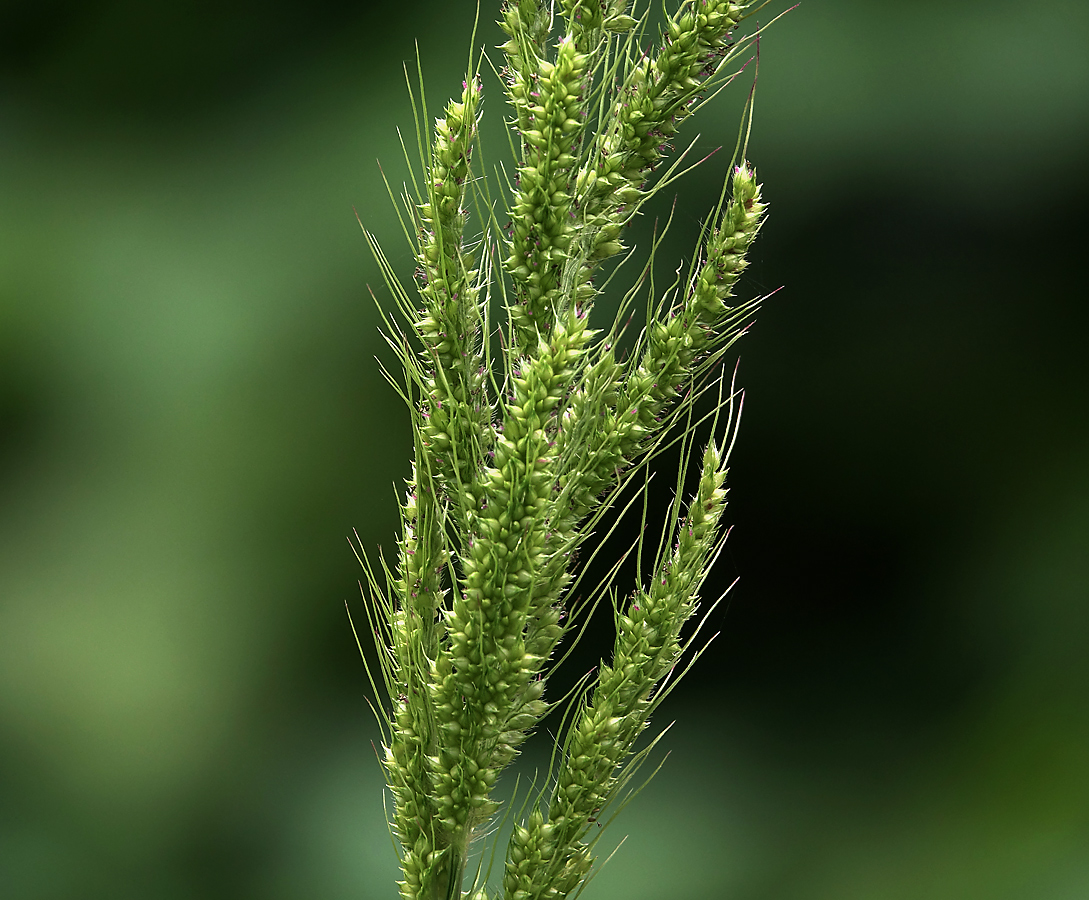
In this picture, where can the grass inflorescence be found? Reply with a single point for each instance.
(521, 449)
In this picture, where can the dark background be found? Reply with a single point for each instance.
(192, 420)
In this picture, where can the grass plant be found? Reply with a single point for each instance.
(527, 430)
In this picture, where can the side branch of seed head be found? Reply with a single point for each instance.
(547, 858)
(458, 414)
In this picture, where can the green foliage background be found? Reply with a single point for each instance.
(191, 421)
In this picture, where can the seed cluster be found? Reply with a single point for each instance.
(508, 483)
(549, 100)
(624, 420)
(449, 324)
(546, 860)
(502, 624)
(657, 95)
(414, 639)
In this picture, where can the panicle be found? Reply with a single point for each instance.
(515, 467)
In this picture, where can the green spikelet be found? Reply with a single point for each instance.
(450, 322)
(547, 858)
(518, 460)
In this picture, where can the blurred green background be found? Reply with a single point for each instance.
(192, 421)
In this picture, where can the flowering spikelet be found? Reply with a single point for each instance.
(528, 24)
(516, 464)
